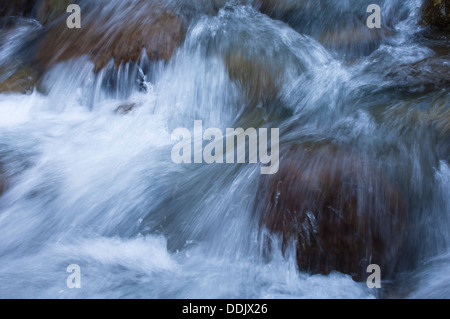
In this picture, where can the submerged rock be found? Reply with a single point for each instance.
(427, 75)
(50, 10)
(259, 80)
(125, 108)
(439, 115)
(22, 81)
(2, 185)
(2, 180)
(338, 208)
(340, 27)
(259, 61)
(113, 31)
(436, 13)
(443, 124)
(45, 11)
(354, 38)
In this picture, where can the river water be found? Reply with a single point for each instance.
(91, 186)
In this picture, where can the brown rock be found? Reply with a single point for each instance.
(259, 65)
(436, 13)
(257, 79)
(103, 38)
(50, 10)
(22, 81)
(342, 30)
(338, 208)
(354, 38)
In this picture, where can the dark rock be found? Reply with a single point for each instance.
(282, 9)
(16, 7)
(2, 180)
(430, 74)
(436, 13)
(337, 207)
(439, 115)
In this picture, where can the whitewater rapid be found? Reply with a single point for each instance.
(91, 186)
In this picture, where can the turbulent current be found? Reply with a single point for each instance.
(87, 178)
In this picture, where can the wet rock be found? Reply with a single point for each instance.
(197, 7)
(436, 13)
(354, 38)
(281, 9)
(444, 133)
(16, 7)
(2, 180)
(337, 207)
(258, 60)
(22, 81)
(2, 186)
(339, 27)
(259, 80)
(117, 31)
(50, 10)
(430, 74)
(125, 108)
(439, 115)
(436, 40)
(45, 11)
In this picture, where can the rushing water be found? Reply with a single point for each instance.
(90, 186)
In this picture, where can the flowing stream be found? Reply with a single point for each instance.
(88, 184)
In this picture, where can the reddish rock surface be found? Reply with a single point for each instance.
(338, 208)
